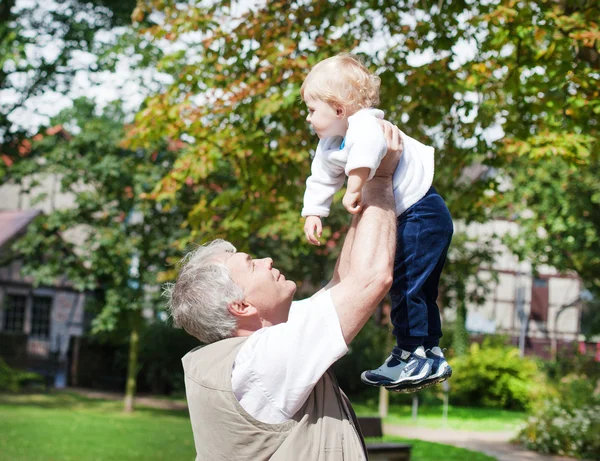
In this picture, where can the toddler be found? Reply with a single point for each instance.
(341, 96)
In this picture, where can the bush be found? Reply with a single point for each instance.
(493, 375)
(12, 380)
(567, 423)
(161, 350)
(368, 350)
(570, 362)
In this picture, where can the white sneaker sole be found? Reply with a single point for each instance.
(428, 382)
(400, 381)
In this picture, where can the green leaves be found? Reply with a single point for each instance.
(519, 95)
(112, 237)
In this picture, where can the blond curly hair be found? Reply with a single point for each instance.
(342, 80)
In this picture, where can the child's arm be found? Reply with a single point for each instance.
(325, 180)
(367, 147)
(366, 144)
(353, 197)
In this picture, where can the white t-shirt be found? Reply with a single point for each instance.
(278, 366)
(365, 147)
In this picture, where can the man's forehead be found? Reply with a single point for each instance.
(234, 258)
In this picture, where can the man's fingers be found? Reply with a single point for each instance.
(396, 142)
(392, 135)
(389, 131)
(319, 229)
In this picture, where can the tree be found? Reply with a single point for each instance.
(39, 44)
(484, 82)
(123, 238)
(548, 98)
(235, 98)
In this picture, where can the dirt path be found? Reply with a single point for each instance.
(146, 401)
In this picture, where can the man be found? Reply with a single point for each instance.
(261, 389)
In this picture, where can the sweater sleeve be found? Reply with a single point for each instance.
(325, 180)
(366, 144)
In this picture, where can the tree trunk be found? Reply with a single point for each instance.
(384, 395)
(461, 336)
(134, 343)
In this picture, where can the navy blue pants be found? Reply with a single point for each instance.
(424, 233)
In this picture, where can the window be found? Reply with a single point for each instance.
(539, 300)
(40, 317)
(14, 313)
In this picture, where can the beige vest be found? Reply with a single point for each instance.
(324, 429)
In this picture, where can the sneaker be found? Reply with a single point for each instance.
(401, 369)
(440, 372)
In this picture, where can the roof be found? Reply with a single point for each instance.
(14, 222)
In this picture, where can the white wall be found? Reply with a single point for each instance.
(499, 311)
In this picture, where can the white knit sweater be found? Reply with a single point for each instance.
(365, 146)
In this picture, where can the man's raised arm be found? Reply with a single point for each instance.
(363, 273)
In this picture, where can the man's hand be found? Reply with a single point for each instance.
(352, 201)
(394, 142)
(313, 226)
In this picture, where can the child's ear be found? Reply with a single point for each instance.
(340, 111)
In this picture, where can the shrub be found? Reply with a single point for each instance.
(368, 350)
(494, 375)
(12, 380)
(570, 362)
(567, 423)
(161, 350)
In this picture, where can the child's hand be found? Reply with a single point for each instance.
(313, 225)
(352, 201)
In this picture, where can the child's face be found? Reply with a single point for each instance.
(326, 119)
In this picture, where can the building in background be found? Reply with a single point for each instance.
(539, 312)
(36, 323)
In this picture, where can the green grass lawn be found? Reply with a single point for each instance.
(459, 418)
(68, 427)
(65, 426)
(427, 451)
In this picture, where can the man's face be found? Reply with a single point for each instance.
(264, 287)
(325, 118)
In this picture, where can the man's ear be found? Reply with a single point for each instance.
(241, 308)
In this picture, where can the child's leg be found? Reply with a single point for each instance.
(424, 234)
(431, 287)
(421, 231)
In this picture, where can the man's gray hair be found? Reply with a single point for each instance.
(198, 300)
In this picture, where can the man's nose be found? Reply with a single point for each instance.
(268, 262)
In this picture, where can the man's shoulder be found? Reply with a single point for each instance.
(213, 361)
(320, 296)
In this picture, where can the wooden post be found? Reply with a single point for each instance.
(446, 389)
(384, 402)
(415, 407)
(132, 367)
